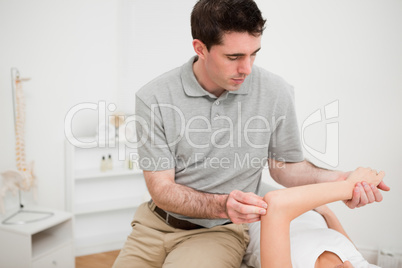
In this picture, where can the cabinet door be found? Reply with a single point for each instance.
(61, 258)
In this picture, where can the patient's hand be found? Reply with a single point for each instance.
(367, 175)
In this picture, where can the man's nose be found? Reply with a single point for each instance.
(245, 66)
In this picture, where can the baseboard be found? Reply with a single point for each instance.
(372, 256)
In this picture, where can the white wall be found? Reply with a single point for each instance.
(329, 50)
(155, 38)
(69, 50)
(347, 51)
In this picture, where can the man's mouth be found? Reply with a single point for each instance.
(238, 80)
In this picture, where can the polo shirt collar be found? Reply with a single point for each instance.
(193, 89)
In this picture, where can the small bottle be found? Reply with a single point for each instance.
(127, 163)
(103, 164)
(109, 162)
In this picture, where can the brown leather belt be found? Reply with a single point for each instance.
(174, 222)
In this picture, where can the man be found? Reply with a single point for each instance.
(207, 130)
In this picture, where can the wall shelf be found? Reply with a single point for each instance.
(95, 173)
(103, 203)
(107, 205)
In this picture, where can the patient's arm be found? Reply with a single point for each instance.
(286, 204)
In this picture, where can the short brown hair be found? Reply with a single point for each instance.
(210, 19)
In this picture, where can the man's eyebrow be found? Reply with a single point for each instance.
(241, 54)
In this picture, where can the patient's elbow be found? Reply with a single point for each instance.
(274, 200)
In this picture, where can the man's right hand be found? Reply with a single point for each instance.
(245, 207)
(366, 191)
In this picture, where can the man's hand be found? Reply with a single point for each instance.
(245, 207)
(364, 193)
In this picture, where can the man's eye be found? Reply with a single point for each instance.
(233, 58)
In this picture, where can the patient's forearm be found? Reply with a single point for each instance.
(292, 202)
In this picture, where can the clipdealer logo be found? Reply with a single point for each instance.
(326, 116)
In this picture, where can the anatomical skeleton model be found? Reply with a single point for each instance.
(23, 178)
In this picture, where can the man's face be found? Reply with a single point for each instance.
(228, 64)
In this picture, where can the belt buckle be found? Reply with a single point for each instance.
(167, 219)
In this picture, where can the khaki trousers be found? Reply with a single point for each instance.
(153, 243)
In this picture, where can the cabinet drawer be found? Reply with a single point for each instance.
(60, 258)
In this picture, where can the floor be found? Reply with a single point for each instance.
(100, 260)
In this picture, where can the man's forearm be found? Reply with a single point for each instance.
(184, 200)
(301, 173)
(189, 202)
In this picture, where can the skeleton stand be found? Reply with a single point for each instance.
(9, 220)
(15, 75)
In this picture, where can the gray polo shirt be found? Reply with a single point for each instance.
(216, 145)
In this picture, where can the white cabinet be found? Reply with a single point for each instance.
(46, 243)
(103, 203)
(59, 258)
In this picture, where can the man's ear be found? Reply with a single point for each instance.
(200, 48)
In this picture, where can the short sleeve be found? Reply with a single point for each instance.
(154, 152)
(285, 145)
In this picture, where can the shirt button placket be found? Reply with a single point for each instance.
(216, 112)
